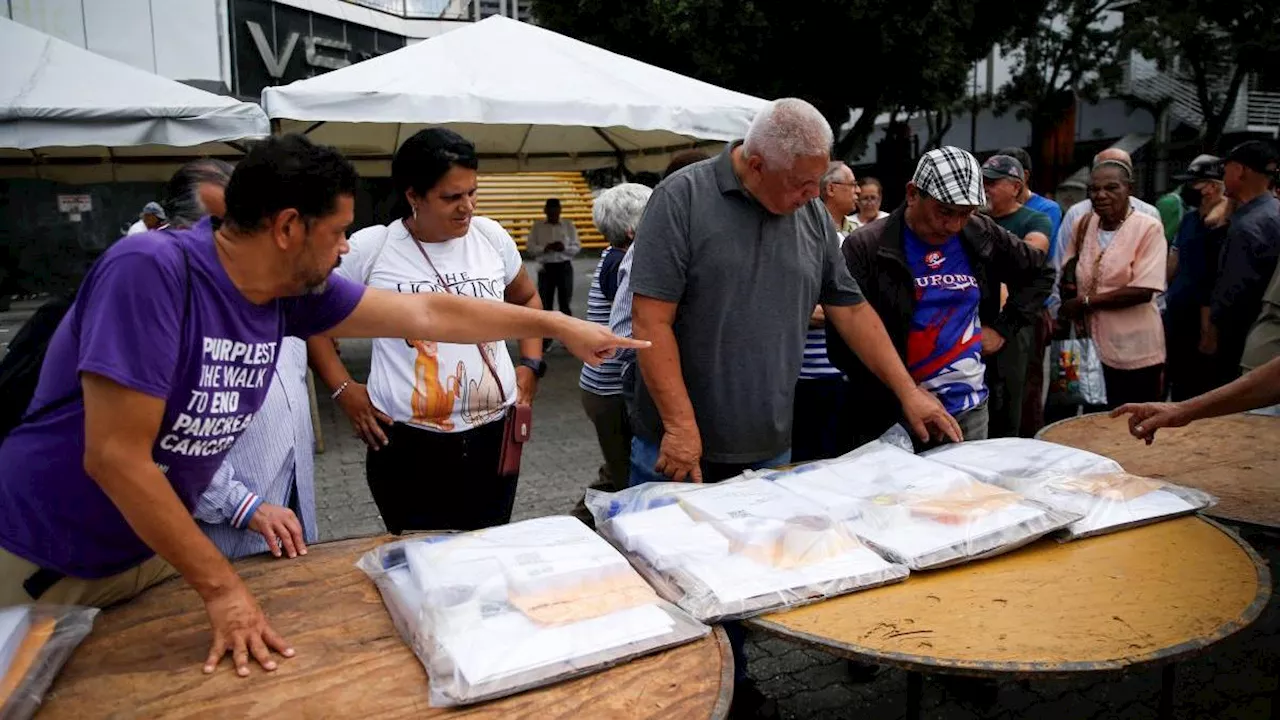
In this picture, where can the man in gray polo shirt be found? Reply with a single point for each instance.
(731, 257)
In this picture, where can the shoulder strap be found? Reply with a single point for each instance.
(78, 391)
(502, 393)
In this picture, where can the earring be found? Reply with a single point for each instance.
(415, 212)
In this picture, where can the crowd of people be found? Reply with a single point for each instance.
(764, 310)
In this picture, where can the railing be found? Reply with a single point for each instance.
(1156, 87)
(422, 9)
(1264, 110)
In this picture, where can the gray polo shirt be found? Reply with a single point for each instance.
(745, 282)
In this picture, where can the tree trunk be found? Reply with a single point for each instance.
(1053, 145)
(851, 147)
(1215, 119)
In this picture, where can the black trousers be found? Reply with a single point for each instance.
(556, 279)
(1189, 372)
(1131, 386)
(1006, 379)
(821, 426)
(425, 480)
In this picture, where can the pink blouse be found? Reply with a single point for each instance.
(1133, 337)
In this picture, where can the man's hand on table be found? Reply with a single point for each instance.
(680, 455)
(928, 418)
(240, 627)
(1146, 418)
(279, 527)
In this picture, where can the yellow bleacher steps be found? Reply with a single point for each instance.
(516, 201)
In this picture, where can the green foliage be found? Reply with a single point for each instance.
(1073, 52)
(903, 55)
(1213, 45)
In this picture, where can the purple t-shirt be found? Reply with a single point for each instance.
(128, 325)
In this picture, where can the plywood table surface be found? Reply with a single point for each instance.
(143, 660)
(1235, 458)
(1147, 595)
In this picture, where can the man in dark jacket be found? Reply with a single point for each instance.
(932, 270)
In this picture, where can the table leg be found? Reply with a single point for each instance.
(1168, 683)
(915, 689)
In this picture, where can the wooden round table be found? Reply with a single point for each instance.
(1235, 458)
(1150, 595)
(143, 660)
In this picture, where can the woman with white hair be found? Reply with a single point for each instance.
(617, 214)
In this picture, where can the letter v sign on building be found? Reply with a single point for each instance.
(266, 35)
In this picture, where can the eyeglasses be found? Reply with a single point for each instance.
(849, 184)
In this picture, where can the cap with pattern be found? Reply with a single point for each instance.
(950, 175)
(1002, 167)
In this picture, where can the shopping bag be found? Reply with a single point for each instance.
(1075, 373)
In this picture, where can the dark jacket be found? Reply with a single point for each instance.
(874, 254)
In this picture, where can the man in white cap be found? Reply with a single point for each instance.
(932, 271)
(152, 216)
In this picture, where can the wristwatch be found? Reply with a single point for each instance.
(538, 366)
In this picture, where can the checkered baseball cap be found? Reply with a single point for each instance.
(950, 175)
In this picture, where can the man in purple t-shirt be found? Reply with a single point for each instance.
(162, 362)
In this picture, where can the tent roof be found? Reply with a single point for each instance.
(62, 101)
(529, 98)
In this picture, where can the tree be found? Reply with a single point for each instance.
(1212, 46)
(1070, 55)
(906, 55)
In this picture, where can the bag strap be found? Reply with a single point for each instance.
(502, 393)
(79, 390)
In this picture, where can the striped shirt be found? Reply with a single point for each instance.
(272, 456)
(815, 364)
(607, 378)
(620, 313)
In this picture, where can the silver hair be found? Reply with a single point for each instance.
(182, 193)
(833, 170)
(616, 212)
(786, 129)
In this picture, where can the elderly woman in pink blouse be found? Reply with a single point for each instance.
(1120, 268)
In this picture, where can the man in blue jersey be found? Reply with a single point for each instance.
(932, 270)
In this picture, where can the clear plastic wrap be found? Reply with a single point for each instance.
(917, 512)
(1093, 486)
(738, 548)
(498, 611)
(35, 642)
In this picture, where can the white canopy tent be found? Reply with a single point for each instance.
(72, 115)
(530, 99)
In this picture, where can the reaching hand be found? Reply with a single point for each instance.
(1146, 418)
(680, 455)
(239, 626)
(992, 341)
(365, 418)
(280, 527)
(928, 418)
(592, 343)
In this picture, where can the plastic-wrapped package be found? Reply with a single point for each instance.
(737, 548)
(1077, 481)
(921, 513)
(498, 611)
(35, 642)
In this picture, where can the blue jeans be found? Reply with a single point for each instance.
(644, 455)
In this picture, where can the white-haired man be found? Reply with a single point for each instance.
(731, 258)
(616, 212)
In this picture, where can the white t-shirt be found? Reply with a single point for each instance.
(137, 227)
(438, 386)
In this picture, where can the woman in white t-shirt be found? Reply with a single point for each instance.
(433, 413)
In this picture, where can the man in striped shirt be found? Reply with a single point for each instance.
(818, 427)
(263, 497)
